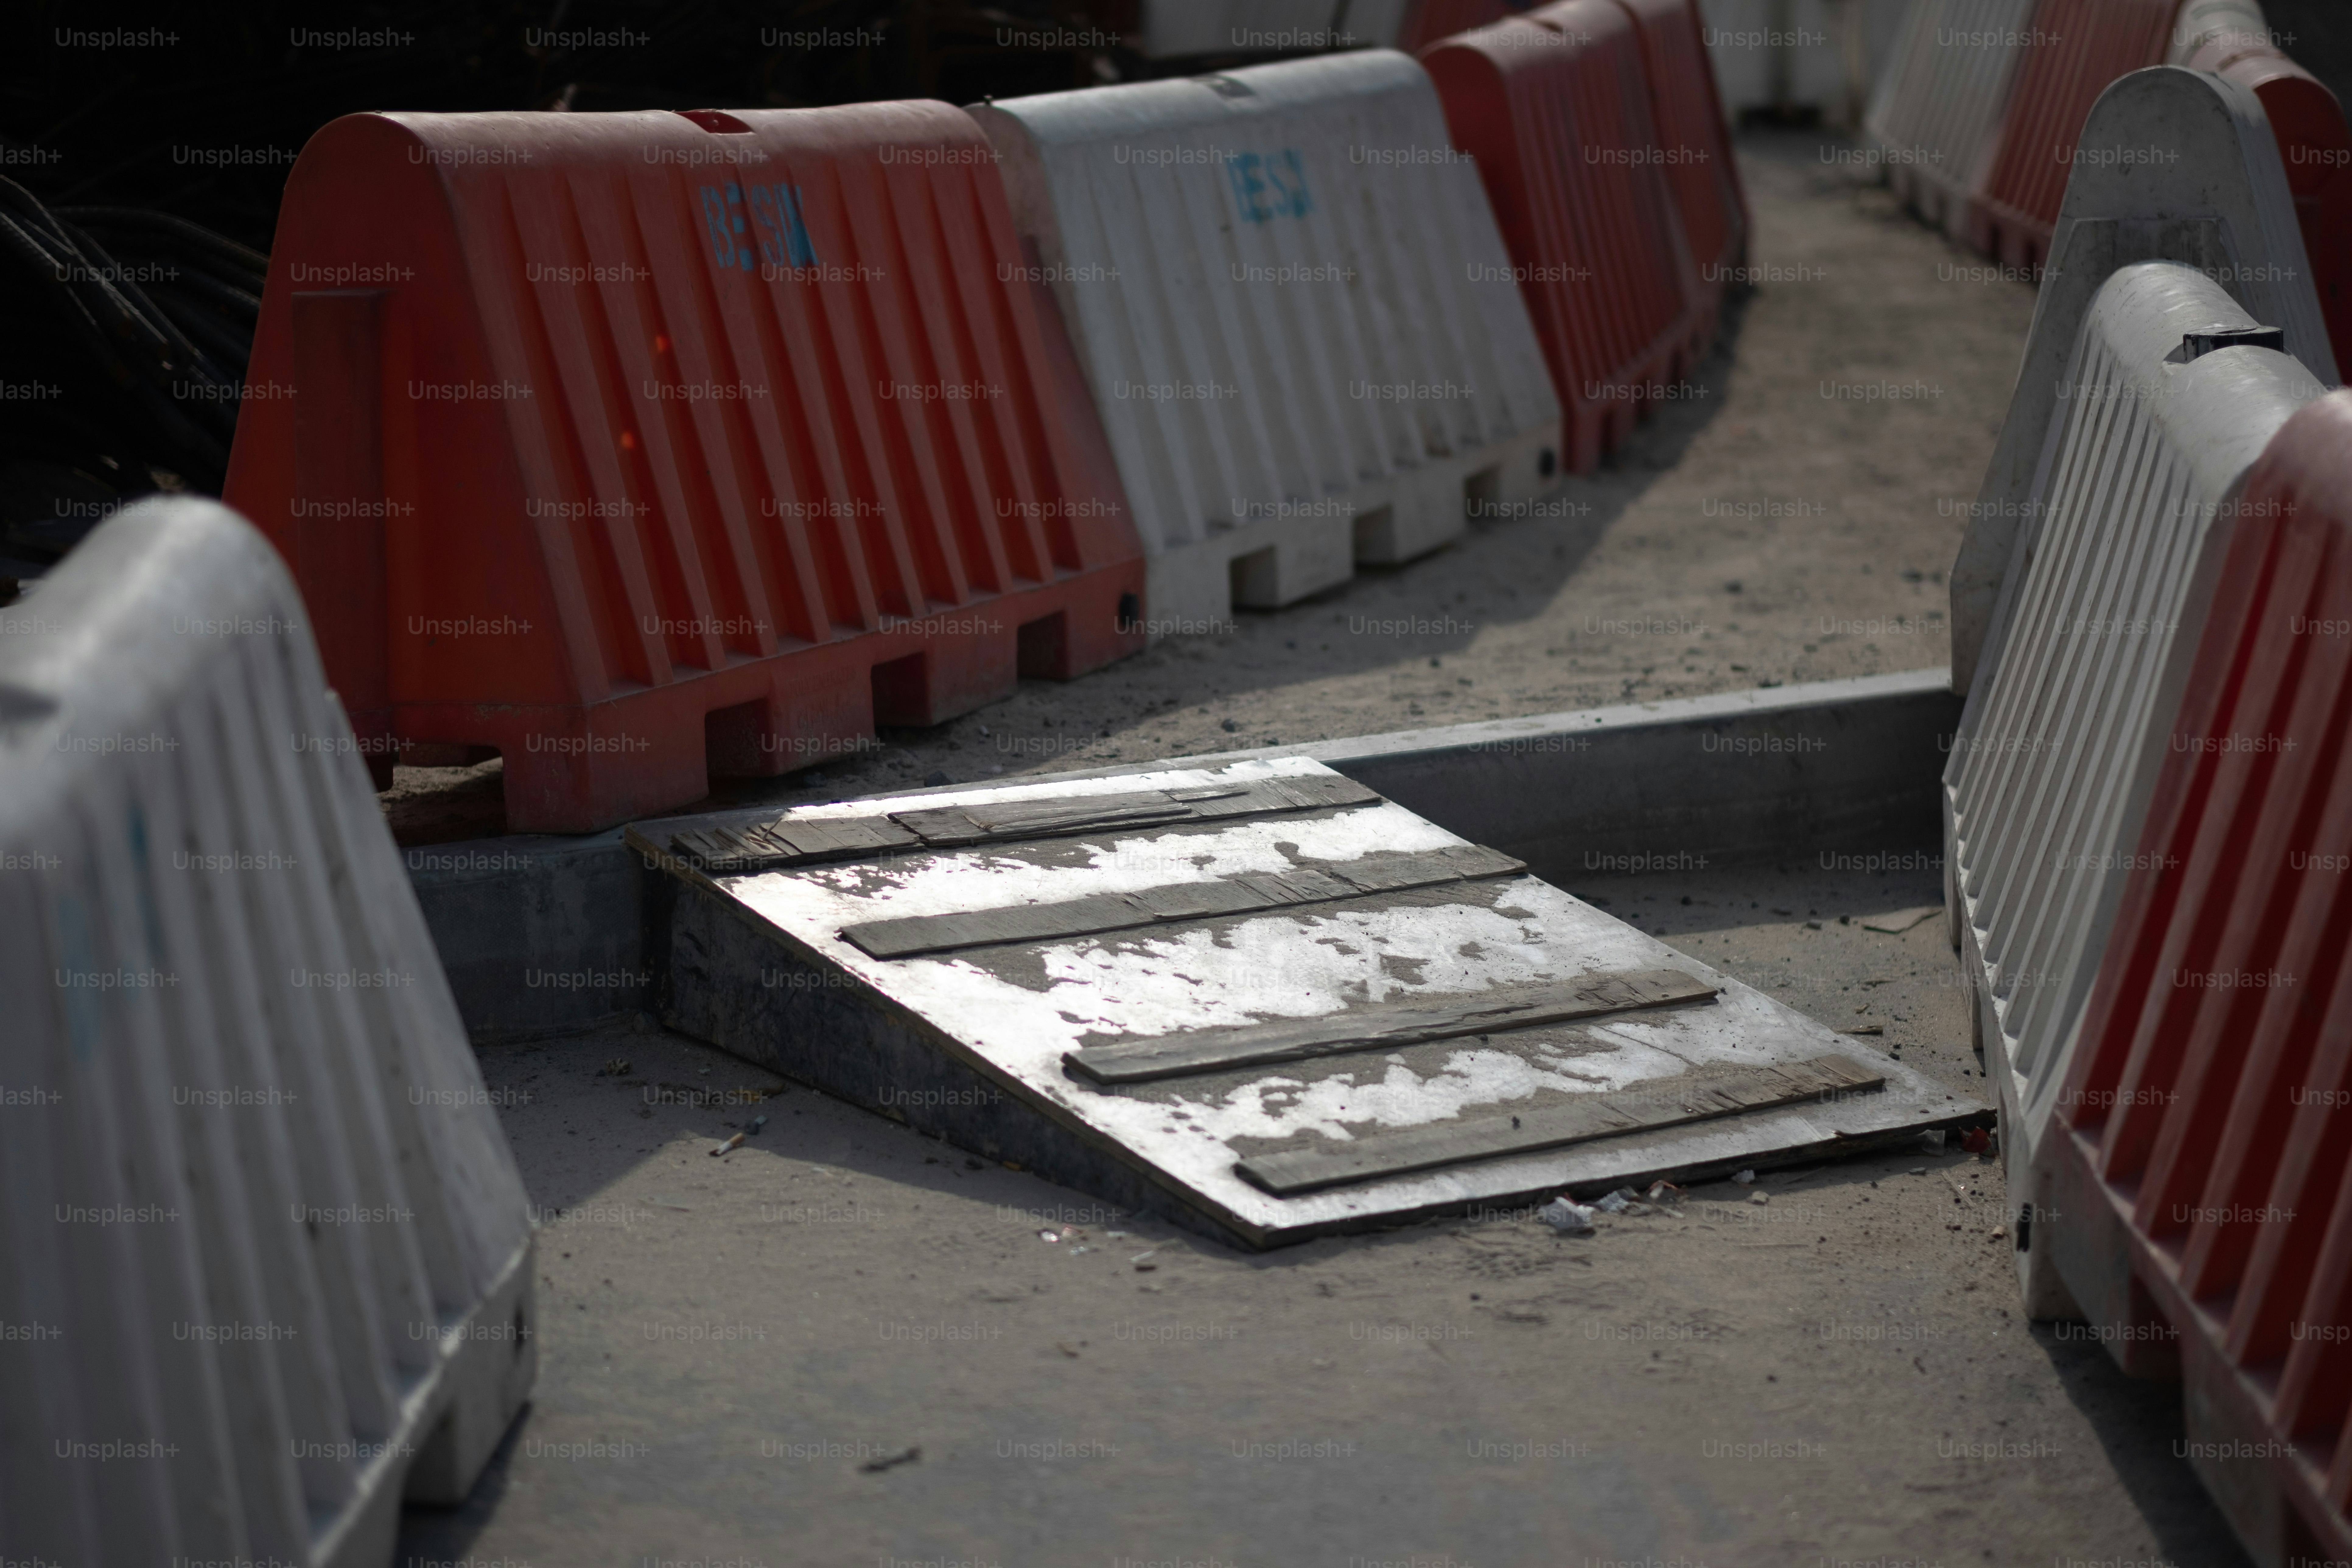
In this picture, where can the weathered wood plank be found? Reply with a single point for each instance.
(1664, 1102)
(1387, 1025)
(789, 840)
(1245, 893)
(947, 827)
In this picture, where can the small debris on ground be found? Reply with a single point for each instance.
(1865, 1030)
(891, 1461)
(617, 1067)
(1760, 1197)
(734, 1142)
(1566, 1217)
(1901, 921)
(1744, 1177)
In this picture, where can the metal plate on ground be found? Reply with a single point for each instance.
(1259, 995)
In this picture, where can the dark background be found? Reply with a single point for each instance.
(102, 123)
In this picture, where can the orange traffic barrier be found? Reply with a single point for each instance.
(2316, 149)
(2074, 49)
(1695, 139)
(1557, 112)
(646, 446)
(2199, 1195)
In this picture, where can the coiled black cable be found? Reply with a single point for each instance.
(124, 336)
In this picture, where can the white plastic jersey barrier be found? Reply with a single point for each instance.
(2201, 22)
(2173, 165)
(1295, 313)
(1936, 112)
(264, 1252)
(2061, 742)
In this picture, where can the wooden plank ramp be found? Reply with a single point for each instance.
(1258, 999)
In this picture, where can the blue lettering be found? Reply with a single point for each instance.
(801, 249)
(714, 218)
(1299, 206)
(735, 224)
(1254, 175)
(1248, 187)
(785, 237)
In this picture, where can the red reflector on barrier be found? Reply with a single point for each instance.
(1556, 110)
(2203, 1169)
(647, 445)
(2073, 51)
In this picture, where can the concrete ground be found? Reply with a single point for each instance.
(845, 1345)
(1792, 521)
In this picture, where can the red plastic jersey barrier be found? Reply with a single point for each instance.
(2074, 49)
(2200, 1197)
(1557, 113)
(648, 447)
(1695, 138)
(2316, 147)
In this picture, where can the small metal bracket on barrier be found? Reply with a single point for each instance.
(2195, 346)
(2172, 165)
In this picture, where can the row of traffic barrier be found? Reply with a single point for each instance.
(2148, 824)
(267, 1256)
(1977, 119)
(643, 447)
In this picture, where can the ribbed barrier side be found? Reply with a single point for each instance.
(1296, 314)
(2060, 745)
(266, 1255)
(2216, 200)
(2077, 47)
(2232, 38)
(1557, 113)
(1694, 139)
(642, 447)
(2197, 1172)
(1937, 108)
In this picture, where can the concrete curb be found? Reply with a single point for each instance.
(542, 934)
